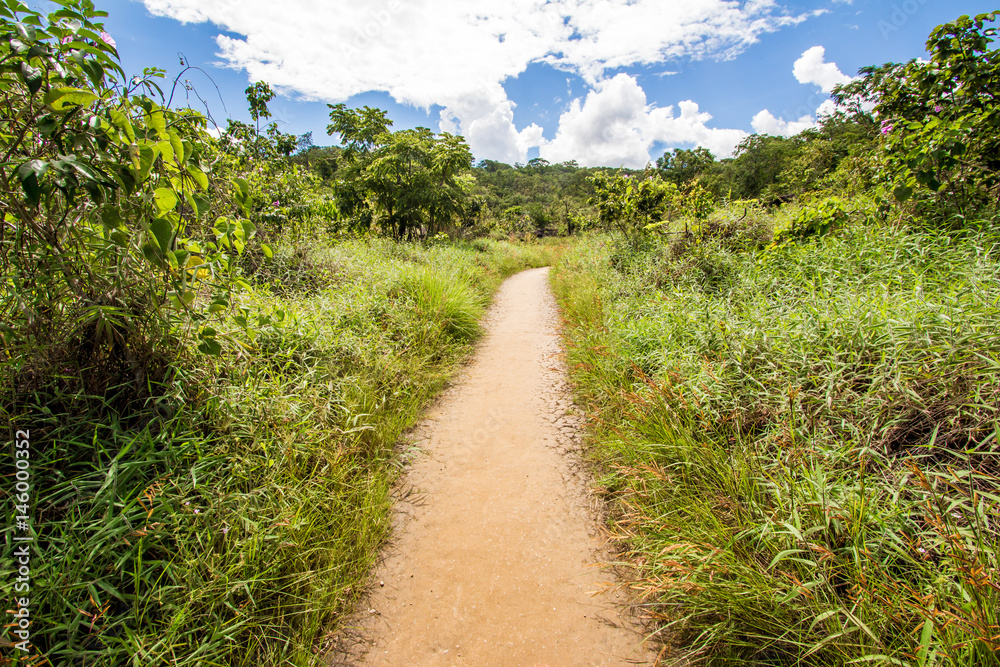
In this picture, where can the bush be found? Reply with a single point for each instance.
(812, 221)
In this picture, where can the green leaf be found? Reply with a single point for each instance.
(156, 120)
(202, 205)
(178, 147)
(123, 175)
(30, 174)
(26, 32)
(180, 299)
(209, 345)
(902, 193)
(165, 200)
(62, 98)
(94, 72)
(122, 122)
(166, 150)
(153, 254)
(163, 232)
(925, 643)
(243, 187)
(198, 176)
(218, 306)
(48, 125)
(32, 77)
(249, 229)
(145, 157)
(111, 218)
(82, 168)
(268, 253)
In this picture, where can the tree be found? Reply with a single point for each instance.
(831, 156)
(632, 203)
(243, 140)
(759, 160)
(683, 165)
(258, 95)
(940, 120)
(360, 130)
(407, 181)
(115, 216)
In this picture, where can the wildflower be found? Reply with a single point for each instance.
(197, 511)
(920, 549)
(886, 127)
(937, 108)
(225, 529)
(107, 39)
(66, 40)
(274, 203)
(187, 503)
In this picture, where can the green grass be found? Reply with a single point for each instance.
(801, 441)
(232, 515)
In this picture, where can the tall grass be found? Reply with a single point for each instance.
(801, 441)
(233, 516)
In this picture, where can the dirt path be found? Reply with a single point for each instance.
(493, 558)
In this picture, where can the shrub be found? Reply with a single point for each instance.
(812, 221)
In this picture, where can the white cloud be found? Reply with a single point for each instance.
(486, 120)
(766, 123)
(457, 53)
(812, 68)
(614, 126)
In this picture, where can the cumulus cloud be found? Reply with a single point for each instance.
(615, 126)
(486, 120)
(811, 67)
(766, 123)
(458, 53)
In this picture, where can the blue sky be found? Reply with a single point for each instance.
(610, 82)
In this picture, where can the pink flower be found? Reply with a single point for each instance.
(197, 511)
(274, 203)
(937, 108)
(225, 529)
(66, 40)
(108, 40)
(886, 127)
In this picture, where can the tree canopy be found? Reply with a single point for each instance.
(408, 182)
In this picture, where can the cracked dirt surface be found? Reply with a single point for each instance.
(496, 541)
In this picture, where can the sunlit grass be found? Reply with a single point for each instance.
(234, 517)
(801, 442)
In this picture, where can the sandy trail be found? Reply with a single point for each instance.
(493, 560)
